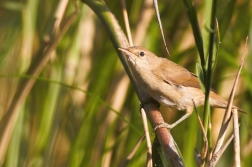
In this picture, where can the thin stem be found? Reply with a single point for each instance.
(209, 66)
(148, 140)
(126, 22)
(237, 158)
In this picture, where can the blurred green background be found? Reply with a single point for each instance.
(82, 109)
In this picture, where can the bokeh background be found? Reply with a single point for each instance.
(82, 109)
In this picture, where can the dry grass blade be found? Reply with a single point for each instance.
(217, 156)
(160, 24)
(237, 158)
(148, 140)
(236, 122)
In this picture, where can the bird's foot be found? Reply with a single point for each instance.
(149, 100)
(163, 125)
(168, 126)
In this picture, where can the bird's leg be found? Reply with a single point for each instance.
(166, 125)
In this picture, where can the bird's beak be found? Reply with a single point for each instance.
(127, 52)
(124, 50)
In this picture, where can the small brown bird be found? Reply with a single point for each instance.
(168, 83)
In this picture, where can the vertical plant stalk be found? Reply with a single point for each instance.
(206, 69)
(126, 22)
(236, 119)
(237, 157)
(148, 140)
(192, 15)
(29, 20)
(208, 78)
(119, 40)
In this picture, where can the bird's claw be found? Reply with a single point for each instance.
(149, 100)
(163, 125)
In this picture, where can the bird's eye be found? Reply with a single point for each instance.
(142, 53)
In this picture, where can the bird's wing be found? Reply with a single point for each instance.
(174, 74)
